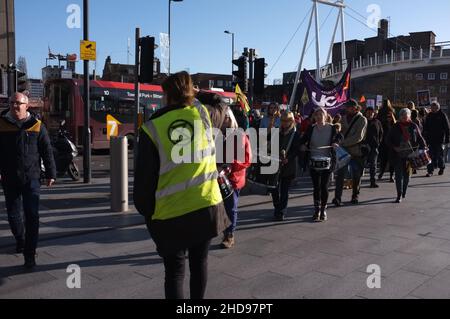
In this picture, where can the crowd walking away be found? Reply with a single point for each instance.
(187, 204)
(207, 193)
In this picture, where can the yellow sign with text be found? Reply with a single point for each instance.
(112, 127)
(88, 50)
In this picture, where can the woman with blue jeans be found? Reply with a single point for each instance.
(405, 138)
(235, 168)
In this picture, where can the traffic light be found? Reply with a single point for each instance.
(240, 76)
(260, 75)
(146, 70)
(21, 81)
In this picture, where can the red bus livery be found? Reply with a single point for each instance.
(64, 101)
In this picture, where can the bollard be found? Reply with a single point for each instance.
(119, 174)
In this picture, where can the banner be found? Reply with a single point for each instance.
(164, 45)
(242, 99)
(331, 99)
(423, 98)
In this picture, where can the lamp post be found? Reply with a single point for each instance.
(170, 38)
(232, 52)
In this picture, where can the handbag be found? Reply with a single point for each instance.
(343, 158)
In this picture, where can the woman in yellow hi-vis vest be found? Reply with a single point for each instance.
(176, 187)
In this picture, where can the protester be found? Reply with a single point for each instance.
(411, 106)
(24, 141)
(180, 219)
(236, 170)
(241, 117)
(289, 149)
(437, 134)
(386, 116)
(415, 118)
(354, 128)
(374, 139)
(272, 118)
(405, 138)
(320, 139)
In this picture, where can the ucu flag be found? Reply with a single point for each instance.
(332, 99)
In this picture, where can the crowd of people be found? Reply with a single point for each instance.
(183, 203)
(374, 139)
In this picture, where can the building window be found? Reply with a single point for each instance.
(408, 77)
(219, 83)
(443, 90)
(444, 76)
(431, 76)
(419, 76)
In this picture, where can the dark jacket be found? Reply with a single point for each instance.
(289, 170)
(374, 136)
(436, 128)
(21, 149)
(336, 138)
(396, 140)
(179, 233)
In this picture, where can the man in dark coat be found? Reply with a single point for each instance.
(374, 139)
(23, 142)
(437, 134)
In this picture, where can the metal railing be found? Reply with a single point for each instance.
(392, 57)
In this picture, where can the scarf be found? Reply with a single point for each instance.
(405, 131)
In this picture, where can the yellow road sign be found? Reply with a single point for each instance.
(112, 126)
(88, 50)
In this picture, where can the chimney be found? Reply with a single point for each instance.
(383, 30)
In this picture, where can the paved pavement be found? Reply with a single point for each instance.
(294, 259)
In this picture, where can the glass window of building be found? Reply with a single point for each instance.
(419, 76)
(444, 76)
(431, 76)
(443, 89)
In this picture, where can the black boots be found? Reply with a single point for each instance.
(30, 261)
(316, 217)
(323, 214)
(320, 214)
(20, 244)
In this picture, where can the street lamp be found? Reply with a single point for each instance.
(232, 52)
(170, 39)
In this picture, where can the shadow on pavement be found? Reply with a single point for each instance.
(143, 259)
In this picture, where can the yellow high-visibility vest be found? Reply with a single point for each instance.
(187, 186)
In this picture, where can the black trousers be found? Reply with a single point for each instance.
(175, 269)
(27, 196)
(437, 156)
(385, 161)
(402, 177)
(321, 184)
(280, 196)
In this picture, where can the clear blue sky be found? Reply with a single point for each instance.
(198, 41)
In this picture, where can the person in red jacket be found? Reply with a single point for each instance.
(235, 167)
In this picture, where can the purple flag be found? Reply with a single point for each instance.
(331, 99)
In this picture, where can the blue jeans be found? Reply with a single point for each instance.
(28, 195)
(231, 206)
(356, 167)
(280, 196)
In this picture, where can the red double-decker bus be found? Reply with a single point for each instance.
(64, 101)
